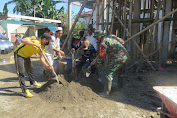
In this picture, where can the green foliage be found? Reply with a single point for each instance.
(5, 10)
(22, 6)
(79, 26)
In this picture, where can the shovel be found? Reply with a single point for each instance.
(56, 77)
(72, 72)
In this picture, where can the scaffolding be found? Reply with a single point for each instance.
(149, 27)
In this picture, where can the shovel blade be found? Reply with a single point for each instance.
(88, 73)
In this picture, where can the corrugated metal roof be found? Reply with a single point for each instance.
(29, 18)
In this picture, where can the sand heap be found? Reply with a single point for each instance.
(69, 93)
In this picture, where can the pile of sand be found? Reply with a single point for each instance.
(69, 93)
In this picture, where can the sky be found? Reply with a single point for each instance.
(11, 6)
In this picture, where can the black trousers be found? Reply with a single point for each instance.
(82, 62)
(23, 64)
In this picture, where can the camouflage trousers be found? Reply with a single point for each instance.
(112, 68)
(115, 65)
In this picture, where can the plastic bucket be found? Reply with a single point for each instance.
(63, 63)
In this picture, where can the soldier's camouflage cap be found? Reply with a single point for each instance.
(99, 33)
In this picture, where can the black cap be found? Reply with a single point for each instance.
(46, 35)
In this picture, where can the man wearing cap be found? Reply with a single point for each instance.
(22, 54)
(88, 53)
(54, 46)
(90, 37)
(112, 46)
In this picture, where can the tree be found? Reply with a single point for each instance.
(47, 8)
(22, 6)
(5, 10)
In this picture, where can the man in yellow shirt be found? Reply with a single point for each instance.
(22, 54)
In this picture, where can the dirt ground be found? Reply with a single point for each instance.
(137, 99)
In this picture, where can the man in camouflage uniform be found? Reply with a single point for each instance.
(112, 46)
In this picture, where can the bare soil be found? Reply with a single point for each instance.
(137, 99)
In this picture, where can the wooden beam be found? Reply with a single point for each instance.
(150, 26)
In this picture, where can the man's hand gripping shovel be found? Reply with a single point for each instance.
(56, 77)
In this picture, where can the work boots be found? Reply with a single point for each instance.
(35, 84)
(107, 86)
(27, 94)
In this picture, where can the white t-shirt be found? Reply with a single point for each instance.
(92, 40)
(54, 43)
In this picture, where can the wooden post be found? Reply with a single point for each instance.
(125, 19)
(97, 18)
(119, 17)
(173, 45)
(104, 14)
(34, 21)
(135, 27)
(162, 31)
(69, 22)
(107, 24)
(70, 31)
(130, 22)
(159, 5)
(168, 8)
(113, 15)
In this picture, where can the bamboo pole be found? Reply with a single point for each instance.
(150, 26)
(70, 31)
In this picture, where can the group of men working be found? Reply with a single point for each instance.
(109, 45)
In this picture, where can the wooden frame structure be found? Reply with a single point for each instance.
(149, 27)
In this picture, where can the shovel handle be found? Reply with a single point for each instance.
(47, 61)
(45, 57)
